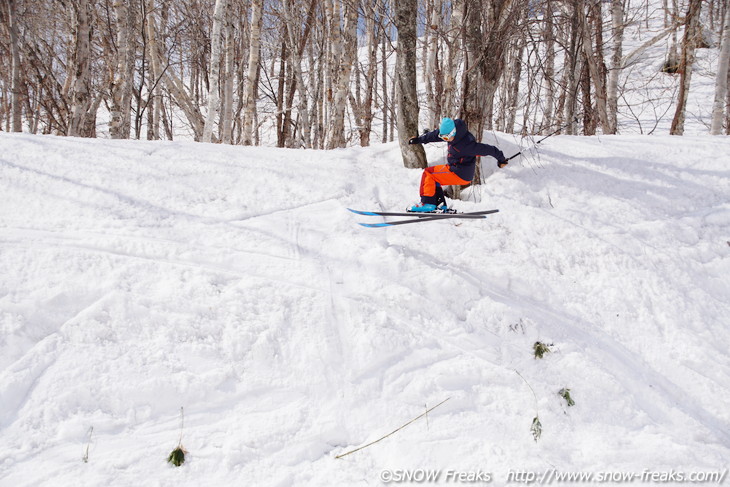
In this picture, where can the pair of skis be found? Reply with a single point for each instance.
(419, 217)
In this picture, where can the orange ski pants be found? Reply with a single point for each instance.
(438, 175)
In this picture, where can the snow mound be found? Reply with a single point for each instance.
(138, 278)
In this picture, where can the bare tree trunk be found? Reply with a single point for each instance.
(81, 85)
(240, 51)
(174, 85)
(155, 73)
(433, 94)
(134, 27)
(549, 37)
(572, 66)
(594, 61)
(391, 111)
(226, 123)
(257, 9)
(721, 91)
(689, 43)
(727, 105)
(514, 87)
(473, 90)
(489, 27)
(121, 86)
(347, 45)
(315, 91)
(89, 129)
(297, 51)
(384, 81)
(671, 65)
(15, 87)
(471, 109)
(216, 41)
(407, 107)
(281, 127)
(503, 23)
(363, 105)
(370, 80)
(530, 93)
(453, 57)
(589, 113)
(332, 53)
(617, 22)
(288, 126)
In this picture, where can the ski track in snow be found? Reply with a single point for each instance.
(140, 277)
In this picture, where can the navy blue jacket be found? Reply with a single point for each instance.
(463, 150)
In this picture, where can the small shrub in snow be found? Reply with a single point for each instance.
(565, 394)
(541, 349)
(85, 458)
(536, 428)
(177, 456)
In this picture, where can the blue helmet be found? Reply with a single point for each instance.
(447, 128)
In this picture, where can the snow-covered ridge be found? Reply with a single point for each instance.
(140, 277)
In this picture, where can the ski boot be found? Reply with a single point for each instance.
(422, 208)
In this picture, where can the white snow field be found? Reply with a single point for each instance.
(137, 278)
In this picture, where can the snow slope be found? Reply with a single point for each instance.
(140, 277)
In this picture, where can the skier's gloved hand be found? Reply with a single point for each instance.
(502, 163)
(413, 140)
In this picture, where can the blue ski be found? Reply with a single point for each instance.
(420, 217)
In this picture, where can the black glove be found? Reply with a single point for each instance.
(502, 163)
(413, 140)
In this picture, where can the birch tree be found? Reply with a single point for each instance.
(121, 84)
(385, 100)
(172, 82)
(155, 72)
(150, 61)
(473, 93)
(81, 69)
(226, 122)
(216, 46)
(298, 43)
(362, 102)
(488, 29)
(548, 35)
(453, 57)
(405, 77)
(513, 87)
(346, 53)
(572, 66)
(617, 24)
(434, 87)
(721, 91)
(594, 61)
(671, 64)
(727, 112)
(16, 90)
(254, 52)
(689, 44)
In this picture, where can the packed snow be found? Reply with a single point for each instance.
(139, 278)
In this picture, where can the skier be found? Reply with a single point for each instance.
(461, 162)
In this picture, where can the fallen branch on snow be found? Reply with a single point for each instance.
(394, 431)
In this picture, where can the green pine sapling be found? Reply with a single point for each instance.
(565, 394)
(177, 456)
(541, 349)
